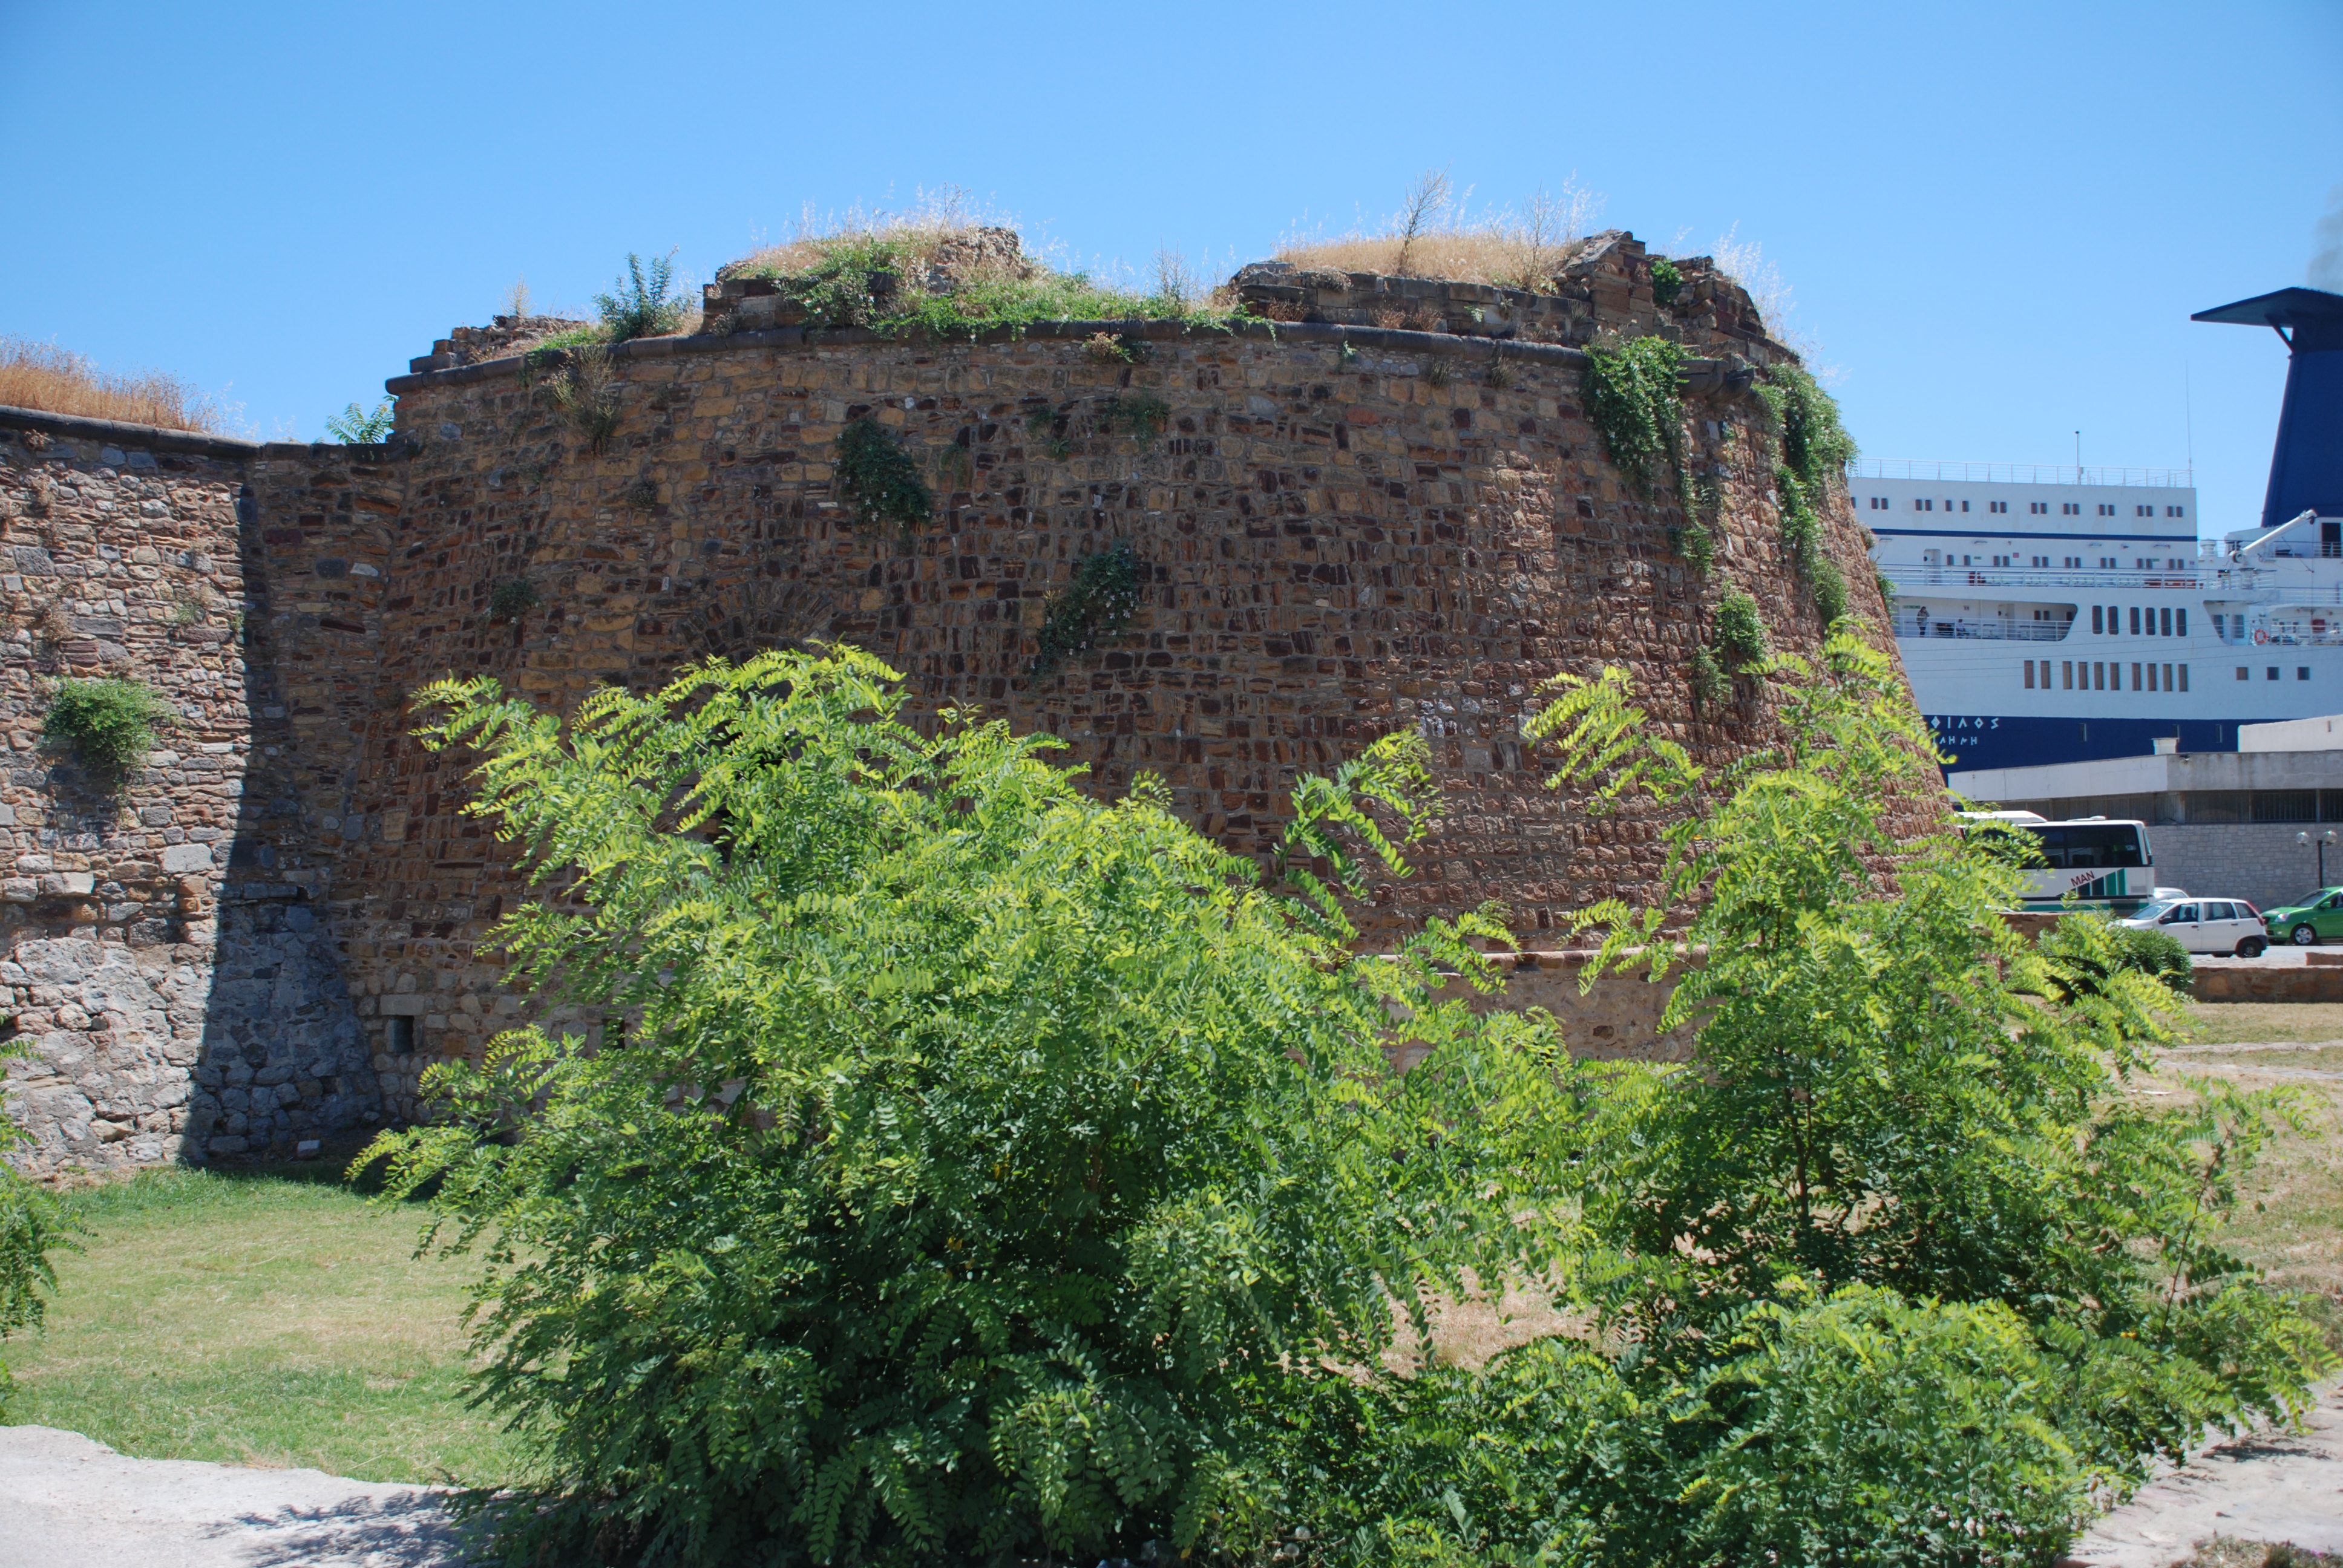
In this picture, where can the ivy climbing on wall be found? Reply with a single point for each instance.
(1097, 605)
(1813, 447)
(1630, 397)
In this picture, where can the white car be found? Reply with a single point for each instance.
(2206, 925)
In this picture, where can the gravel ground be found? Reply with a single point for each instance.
(2272, 1486)
(69, 1503)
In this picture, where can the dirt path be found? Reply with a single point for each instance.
(69, 1503)
(2275, 1486)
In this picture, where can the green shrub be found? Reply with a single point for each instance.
(1711, 682)
(878, 480)
(1892, 1088)
(642, 302)
(509, 599)
(1740, 631)
(1862, 1429)
(110, 724)
(978, 1152)
(354, 427)
(1667, 282)
(585, 390)
(1098, 603)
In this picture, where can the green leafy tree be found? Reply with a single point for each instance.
(979, 1158)
(1893, 1090)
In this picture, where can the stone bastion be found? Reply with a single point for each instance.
(1342, 526)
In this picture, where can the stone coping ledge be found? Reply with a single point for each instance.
(154, 438)
(162, 438)
(1702, 377)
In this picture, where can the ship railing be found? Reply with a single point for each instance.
(1901, 575)
(2295, 635)
(1913, 627)
(2020, 474)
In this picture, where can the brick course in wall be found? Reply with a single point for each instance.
(1345, 529)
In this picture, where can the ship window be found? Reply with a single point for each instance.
(2029, 674)
(2135, 676)
(2135, 621)
(2066, 675)
(2273, 672)
(2243, 673)
(1999, 505)
(2183, 614)
(1948, 506)
(2095, 619)
(2070, 510)
(2039, 508)
(2302, 672)
(2107, 561)
(2174, 512)
(2167, 677)
(2151, 679)
(2106, 510)
(2099, 675)
(2074, 560)
(2168, 621)
(2184, 677)
(2143, 511)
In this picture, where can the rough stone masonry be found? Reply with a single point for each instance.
(1381, 507)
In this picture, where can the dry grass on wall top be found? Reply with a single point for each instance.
(59, 381)
(1436, 234)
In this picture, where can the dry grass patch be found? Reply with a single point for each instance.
(2289, 1221)
(59, 381)
(2255, 1022)
(1435, 235)
(257, 1320)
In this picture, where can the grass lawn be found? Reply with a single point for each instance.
(2291, 1221)
(259, 1319)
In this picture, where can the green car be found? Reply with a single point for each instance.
(2310, 919)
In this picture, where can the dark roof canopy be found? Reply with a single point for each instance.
(2286, 308)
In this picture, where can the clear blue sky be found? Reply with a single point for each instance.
(1995, 218)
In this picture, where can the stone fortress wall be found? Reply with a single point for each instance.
(1382, 506)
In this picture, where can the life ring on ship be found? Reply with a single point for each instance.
(2261, 636)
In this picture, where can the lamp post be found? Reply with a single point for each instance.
(2323, 840)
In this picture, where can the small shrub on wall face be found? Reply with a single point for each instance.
(109, 724)
(980, 1148)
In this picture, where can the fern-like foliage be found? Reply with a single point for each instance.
(355, 427)
(981, 1155)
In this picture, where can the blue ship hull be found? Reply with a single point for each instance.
(1991, 741)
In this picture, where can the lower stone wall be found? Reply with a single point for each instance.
(165, 968)
(2255, 860)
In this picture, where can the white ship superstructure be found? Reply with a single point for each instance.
(2055, 615)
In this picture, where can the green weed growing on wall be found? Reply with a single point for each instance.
(1098, 604)
(643, 302)
(512, 598)
(1667, 282)
(110, 724)
(355, 427)
(1740, 631)
(1137, 415)
(877, 479)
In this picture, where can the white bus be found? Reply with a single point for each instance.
(2105, 862)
